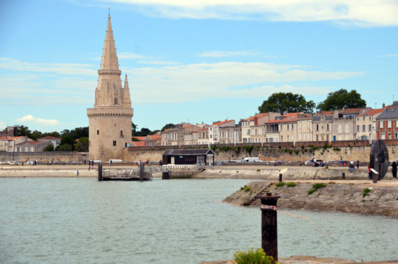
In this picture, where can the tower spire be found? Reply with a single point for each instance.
(109, 58)
(126, 94)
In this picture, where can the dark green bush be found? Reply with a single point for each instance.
(253, 257)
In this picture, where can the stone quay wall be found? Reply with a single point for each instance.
(336, 150)
(44, 157)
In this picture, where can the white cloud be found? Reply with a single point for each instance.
(2, 125)
(218, 54)
(158, 62)
(388, 55)
(58, 68)
(40, 121)
(197, 82)
(130, 56)
(352, 12)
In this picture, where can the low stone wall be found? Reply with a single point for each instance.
(381, 199)
(43, 157)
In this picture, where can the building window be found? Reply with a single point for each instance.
(317, 128)
(358, 128)
(121, 133)
(363, 128)
(115, 101)
(380, 124)
(97, 132)
(389, 123)
(327, 127)
(370, 128)
(114, 143)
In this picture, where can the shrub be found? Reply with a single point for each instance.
(280, 184)
(253, 257)
(315, 187)
(365, 192)
(291, 184)
(245, 188)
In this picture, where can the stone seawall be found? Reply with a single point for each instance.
(289, 173)
(337, 196)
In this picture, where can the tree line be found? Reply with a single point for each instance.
(289, 102)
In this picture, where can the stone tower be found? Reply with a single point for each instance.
(110, 119)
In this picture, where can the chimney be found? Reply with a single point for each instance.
(384, 105)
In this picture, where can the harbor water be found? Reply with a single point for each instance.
(81, 220)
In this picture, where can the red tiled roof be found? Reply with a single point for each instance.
(14, 138)
(351, 110)
(258, 115)
(138, 144)
(372, 112)
(154, 137)
(288, 117)
(50, 137)
(139, 138)
(324, 113)
(221, 123)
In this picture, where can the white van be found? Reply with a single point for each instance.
(113, 161)
(251, 159)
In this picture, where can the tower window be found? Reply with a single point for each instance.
(115, 101)
(121, 133)
(97, 132)
(114, 143)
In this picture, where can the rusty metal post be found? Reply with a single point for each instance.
(269, 228)
(343, 176)
(142, 166)
(100, 172)
(280, 177)
(375, 177)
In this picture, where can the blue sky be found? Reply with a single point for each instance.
(191, 61)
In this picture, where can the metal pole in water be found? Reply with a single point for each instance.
(269, 228)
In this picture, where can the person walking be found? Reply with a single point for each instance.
(357, 164)
(394, 170)
(369, 172)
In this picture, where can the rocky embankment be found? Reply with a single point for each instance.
(350, 197)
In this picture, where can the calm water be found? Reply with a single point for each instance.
(71, 220)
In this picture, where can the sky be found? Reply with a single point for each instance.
(191, 61)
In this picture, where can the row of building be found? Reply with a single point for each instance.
(11, 143)
(344, 124)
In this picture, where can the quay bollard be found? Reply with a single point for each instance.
(280, 177)
(100, 172)
(269, 228)
(343, 176)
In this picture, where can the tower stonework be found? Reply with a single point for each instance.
(110, 124)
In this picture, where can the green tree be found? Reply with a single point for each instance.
(49, 147)
(286, 102)
(81, 144)
(35, 135)
(143, 132)
(52, 134)
(342, 99)
(133, 128)
(23, 131)
(65, 147)
(170, 125)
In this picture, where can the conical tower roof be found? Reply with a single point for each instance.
(109, 62)
(126, 94)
